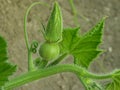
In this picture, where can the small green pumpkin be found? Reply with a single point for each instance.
(49, 51)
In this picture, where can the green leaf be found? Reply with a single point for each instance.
(69, 39)
(6, 69)
(84, 48)
(115, 83)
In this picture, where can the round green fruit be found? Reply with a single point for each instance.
(49, 51)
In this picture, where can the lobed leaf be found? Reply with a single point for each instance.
(6, 69)
(84, 48)
(69, 39)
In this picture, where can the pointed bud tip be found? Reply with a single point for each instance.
(56, 4)
(105, 17)
(54, 27)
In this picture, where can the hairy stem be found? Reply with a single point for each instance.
(30, 61)
(41, 73)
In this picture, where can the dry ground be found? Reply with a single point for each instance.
(11, 27)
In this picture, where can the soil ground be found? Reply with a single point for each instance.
(89, 13)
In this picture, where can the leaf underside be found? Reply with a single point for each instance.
(6, 69)
(84, 48)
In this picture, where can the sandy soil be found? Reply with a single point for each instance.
(11, 28)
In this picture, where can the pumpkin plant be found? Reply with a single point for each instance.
(59, 42)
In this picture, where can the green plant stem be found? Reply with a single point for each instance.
(88, 85)
(73, 8)
(82, 81)
(41, 73)
(59, 59)
(30, 60)
(43, 64)
(74, 12)
(31, 66)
